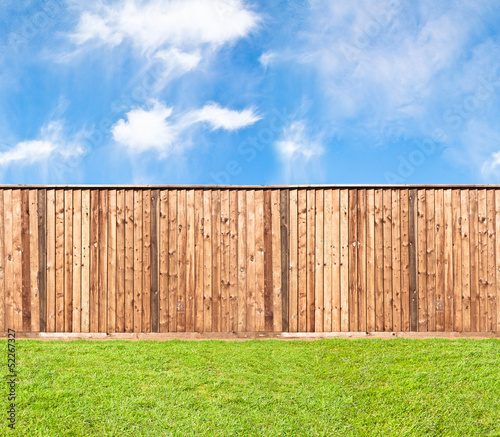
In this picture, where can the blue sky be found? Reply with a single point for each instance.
(249, 92)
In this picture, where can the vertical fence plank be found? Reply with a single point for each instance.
(154, 291)
(353, 251)
(448, 261)
(172, 260)
(33, 261)
(387, 225)
(198, 260)
(216, 252)
(111, 286)
(190, 262)
(336, 262)
(129, 261)
(379, 261)
(268, 263)
(344, 260)
(242, 261)
(483, 260)
(422, 260)
(251, 268)
(293, 268)
(42, 255)
(361, 261)
(396, 260)
(319, 261)
(464, 216)
(85, 317)
(181, 260)
(94, 260)
(77, 262)
(457, 261)
(431, 259)
(103, 261)
(283, 198)
(491, 278)
(370, 260)
(120, 261)
(302, 261)
(497, 255)
(3, 326)
(146, 261)
(9, 262)
(60, 261)
(137, 259)
(474, 260)
(440, 240)
(412, 260)
(405, 262)
(259, 261)
(68, 260)
(310, 253)
(207, 261)
(25, 262)
(328, 264)
(278, 301)
(17, 260)
(163, 249)
(233, 261)
(224, 259)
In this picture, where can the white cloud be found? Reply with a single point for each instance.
(295, 144)
(155, 24)
(155, 128)
(52, 144)
(223, 118)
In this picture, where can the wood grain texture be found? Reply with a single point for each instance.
(412, 247)
(370, 260)
(310, 254)
(207, 261)
(103, 261)
(285, 247)
(224, 259)
(279, 301)
(422, 260)
(198, 260)
(233, 261)
(25, 262)
(344, 260)
(190, 261)
(440, 245)
(94, 262)
(181, 260)
(259, 261)
(146, 261)
(491, 323)
(293, 265)
(173, 286)
(353, 256)
(250, 256)
(361, 259)
(336, 262)
(215, 269)
(129, 261)
(60, 259)
(464, 216)
(431, 260)
(448, 261)
(457, 261)
(387, 249)
(9, 262)
(111, 260)
(42, 254)
(85, 317)
(396, 261)
(319, 277)
(154, 290)
(33, 261)
(405, 261)
(328, 262)
(302, 260)
(242, 261)
(120, 261)
(77, 262)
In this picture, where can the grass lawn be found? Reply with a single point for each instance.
(329, 387)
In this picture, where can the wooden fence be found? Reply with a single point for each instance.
(248, 259)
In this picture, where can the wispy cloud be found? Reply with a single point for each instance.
(155, 129)
(52, 144)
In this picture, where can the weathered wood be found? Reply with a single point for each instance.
(190, 261)
(328, 257)
(387, 225)
(457, 261)
(379, 261)
(251, 268)
(396, 261)
(120, 261)
(293, 262)
(302, 260)
(259, 261)
(33, 261)
(103, 261)
(361, 260)
(111, 285)
(42, 255)
(491, 278)
(344, 260)
(60, 259)
(9, 261)
(431, 260)
(207, 261)
(422, 260)
(216, 254)
(242, 261)
(268, 263)
(483, 260)
(85, 318)
(3, 326)
(25, 259)
(440, 240)
(412, 248)
(181, 260)
(129, 261)
(146, 261)
(286, 259)
(370, 260)
(277, 301)
(17, 260)
(94, 261)
(474, 260)
(198, 261)
(353, 251)
(448, 261)
(173, 286)
(233, 261)
(336, 262)
(224, 259)
(154, 290)
(464, 216)
(77, 262)
(405, 262)
(68, 261)
(137, 259)
(310, 254)
(319, 262)
(497, 253)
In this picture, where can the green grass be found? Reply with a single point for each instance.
(330, 387)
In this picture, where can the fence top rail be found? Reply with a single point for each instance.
(251, 187)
